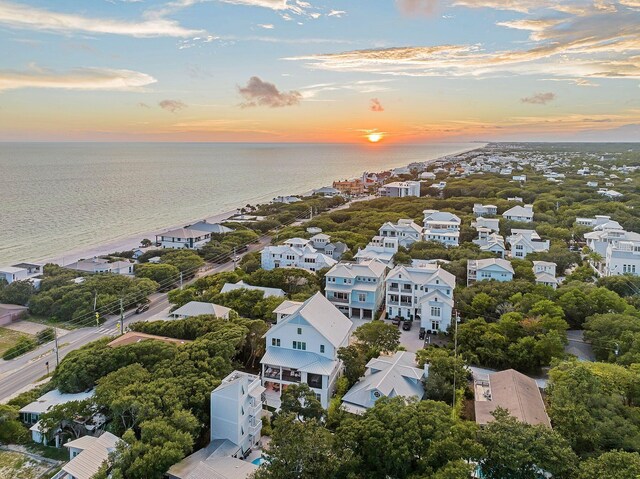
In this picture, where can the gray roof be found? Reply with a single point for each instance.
(197, 308)
(210, 227)
(213, 462)
(54, 398)
(95, 450)
(391, 376)
(305, 361)
(242, 285)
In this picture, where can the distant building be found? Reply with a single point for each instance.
(598, 220)
(350, 187)
(214, 228)
(484, 210)
(492, 224)
(545, 272)
(523, 214)
(198, 308)
(101, 265)
(183, 238)
(496, 269)
(400, 189)
(380, 248)
(622, 257)
(525, 242)
(406, 231)
(386, 376)
(268, 292)
(295, 253)
(287, 200)
(327, 191)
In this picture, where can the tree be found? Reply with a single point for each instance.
(11, 429)
(18, 292)
(186, 261)
(378, 337)
(519, 450)
(300, 400)
(300, 450)
(443, 367)
(23, 345)
(145, 243)
(611, 465)
(64, 416)
(164, 274)
(354, 360)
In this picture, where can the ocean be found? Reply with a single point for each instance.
(57, 198)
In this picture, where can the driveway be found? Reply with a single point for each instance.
(578, 346)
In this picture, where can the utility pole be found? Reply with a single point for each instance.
(180, 279)
(311, 212)
(55, 339)
(234, 258)
(455, 362)
(95, 301)
(121, 316)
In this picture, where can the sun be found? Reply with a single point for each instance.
(375, 137)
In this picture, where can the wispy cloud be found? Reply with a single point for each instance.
(32, 18)
(261, 93)
(539, 98)
(172, 105)
(420, 7)
(375, 105)
(266, 26)
(78, 79)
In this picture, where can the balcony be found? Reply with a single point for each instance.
(392, 302)
(271, 373)
(291, 376)
(255, 428)
(393, 288)
(335, 299)
(405, 303)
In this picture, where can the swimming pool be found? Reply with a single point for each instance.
(259, 461)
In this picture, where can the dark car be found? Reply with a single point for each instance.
(396, 321)
(142, 308)
(406, 325)
(422, 334)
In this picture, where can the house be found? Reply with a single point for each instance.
(198, 308)
(592, 184)
(400, 189)
(336, 250)
(427, 175)
(520, 178)
(406, 231)
(386, 376)
(236, 410)
(509, 390)
(523, 214)
(484, 210)
(381, 248)
(442, 227)
(295, 253)
(320, 241)
(287, 200)
(423, 293)
(545, 272)
(11, 274)
(86, 456)
(134, 337)
(213, 228)
(357, 290)
(183, 238)
(598, 220)
(622, 257)
(490, 242)
(303, 348)
(515, 199)
(496, 269)
(602, 236)
(268, 292)
(236, 425)
(611, 194)
(491, 223)
(439, 186)
(101, 265)
(30, 414)
(525, 242)
(285, 309)
(353, 187)
(327, 191)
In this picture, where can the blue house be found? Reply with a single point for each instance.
(497, 269)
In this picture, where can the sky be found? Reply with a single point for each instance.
(404, 71)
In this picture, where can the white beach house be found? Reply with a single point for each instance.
(295, 253)
(357, 290)
(86, 456)
(484, 210)
(525, 242)
(406, 231)
(497, 269)
(423, 293)
(441, 226)
(545, 272)
(303, 348)
(400, 189)
(523, 214)
(381, 248)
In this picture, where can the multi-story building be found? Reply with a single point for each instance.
(295, 253)
(523, 214)
(442, 227)
(490, 242)
(357, 290)
(606, 234)
(525, 242)
(598, 220)
(303, 348)
(350, 187)
(400, 189)
(484, 210)
(236, 410)
(492, 224)
(406, 231)
(545, 272)
(622, 257)
(423, 293)
(497, 269)
(381, 248)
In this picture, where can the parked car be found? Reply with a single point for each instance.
(422, 334)
(142, 307)
(406, 325)
(396, 321)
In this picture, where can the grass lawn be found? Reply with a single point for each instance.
(57, 453)
(49, 322)
(8, 338)
(14, 465)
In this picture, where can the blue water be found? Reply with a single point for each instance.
(58, 197)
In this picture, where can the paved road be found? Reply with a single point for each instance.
(22, 373)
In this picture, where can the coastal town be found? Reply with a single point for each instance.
(413, 322)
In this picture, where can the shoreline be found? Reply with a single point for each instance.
(133, 242)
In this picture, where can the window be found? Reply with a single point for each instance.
(362, 297)
(322, 348)
(299, 330)
(300, 345)
(275, 342)
(436, 311)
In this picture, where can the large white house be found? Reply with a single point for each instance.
(622, 257)
(386, 376)
(381, 248)
(484, 210)
(406, 231)
(523, 214)
(545, 272)
(236, 410)
(606, 234)
(101, 265)
(356, 289)
(525, 242)
(295, 253)
(183, 238)
(490, 242)
(491, 223)
(400, 189)
(423, 293)
(597, 220)
(497, 269)
(442, 227)
(303, 348)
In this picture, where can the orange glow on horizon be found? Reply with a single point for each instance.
(375, 136)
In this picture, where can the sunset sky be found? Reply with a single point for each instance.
(320, 70)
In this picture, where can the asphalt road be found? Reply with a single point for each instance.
(20, 374)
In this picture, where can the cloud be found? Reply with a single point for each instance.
(261, 93)
(376, 105)
(32, 18)
(172, 105)
(78, 79)
(584, 43)
(336, 13)
(266, 26)
(539, 98)
(420, 7)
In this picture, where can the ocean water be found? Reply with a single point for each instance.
(61, 197)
